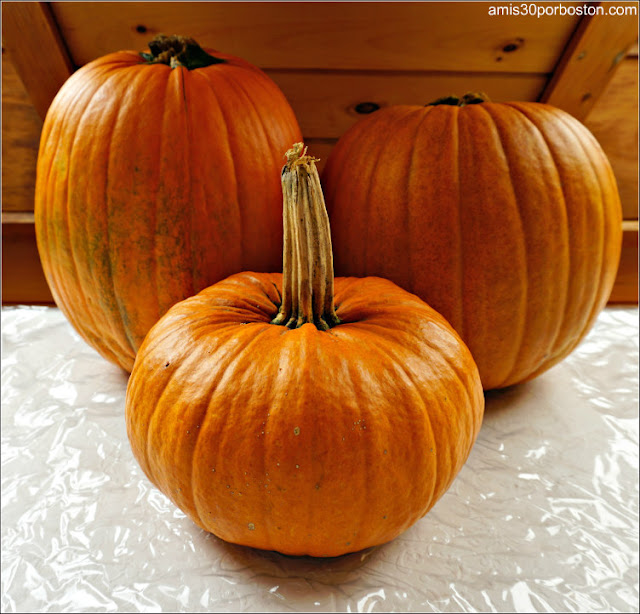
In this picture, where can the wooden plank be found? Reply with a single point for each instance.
(321, 149)
(23, 280)
(328, 35)
(591, 58)
(325, 101)
(614, 122)
(18, 217)
(37, 51)
(625, 289)
(21, 127)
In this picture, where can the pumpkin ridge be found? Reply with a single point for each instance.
(82, 293)
(392, 340)
(236, 357)
(460, 325)
(46, 232)
(375, 154)
(108, 240)
(190, 182)
(596, 306)
(232, 157)
(552, 156)
(401, 367)
(121, 333)
(267, 134)
(408, 191)
(572, 340)
(469, 433)
(522, 317)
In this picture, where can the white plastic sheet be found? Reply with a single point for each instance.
(543, 517)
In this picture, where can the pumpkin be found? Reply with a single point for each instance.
(143, 195)
(505, 218)
(298, 413)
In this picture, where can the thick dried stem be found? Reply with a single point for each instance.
(307, 285)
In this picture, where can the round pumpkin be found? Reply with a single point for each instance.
(505, 218)
(298, 413)
(146, 191)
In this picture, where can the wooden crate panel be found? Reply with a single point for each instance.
(625, 289)
(325, 102)
(21, 127)
(23, 280)
(338, 35)
(614, 122)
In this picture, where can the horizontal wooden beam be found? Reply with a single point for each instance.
(23, 280)
(336, 35)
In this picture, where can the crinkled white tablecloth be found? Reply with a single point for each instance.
(543, 517)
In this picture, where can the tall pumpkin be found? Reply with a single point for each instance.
(505, 218)
(143, 195)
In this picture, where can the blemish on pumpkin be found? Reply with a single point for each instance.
(384, 518)
(167, 365)
(317, 486)
(213, 470)
(384, 452)
(296, 430)
(252, 527)
(228, 486)
(297, 466)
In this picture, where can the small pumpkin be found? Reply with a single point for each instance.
(145, 193)
(505, 218)
(298, 413)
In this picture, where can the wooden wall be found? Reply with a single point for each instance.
(329, 59)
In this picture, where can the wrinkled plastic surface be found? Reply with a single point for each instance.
(543, 517)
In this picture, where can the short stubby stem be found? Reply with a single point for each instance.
(456, 101)
(178, 51)
(307, 267)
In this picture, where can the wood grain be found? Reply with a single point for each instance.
(614, 122)
(23, 281)
(38, 53)
(625, 289)
(21, 126)
(590, 60)
(325, 101)
(327, 35)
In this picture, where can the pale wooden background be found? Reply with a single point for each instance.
(328, 58)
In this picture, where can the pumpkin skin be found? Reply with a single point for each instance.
(142, 197)
(303, 441)
(505, 218)
(328, 433)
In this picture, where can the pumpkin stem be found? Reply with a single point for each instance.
(469, 98)
(307, 268)
(178, 51)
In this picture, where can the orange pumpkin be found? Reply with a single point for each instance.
(505, 218)
(274, 420)
(145, 190)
